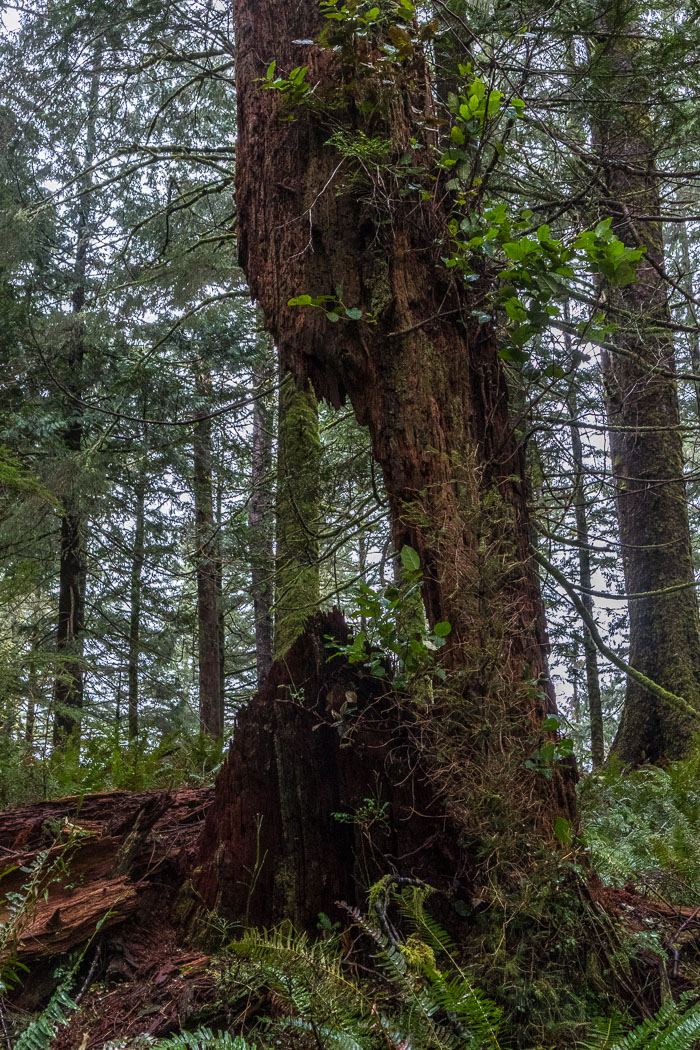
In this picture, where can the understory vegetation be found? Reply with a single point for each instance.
(349, 525)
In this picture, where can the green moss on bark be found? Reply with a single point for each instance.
(299, 464)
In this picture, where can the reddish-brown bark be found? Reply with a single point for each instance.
(426, 379)
(92, 859)
(295, 766)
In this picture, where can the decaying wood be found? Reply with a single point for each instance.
(313, 804)
(88, 861)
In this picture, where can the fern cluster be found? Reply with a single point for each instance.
(676, 1026)
(39, 1033)
(644, 827)
(409, 997)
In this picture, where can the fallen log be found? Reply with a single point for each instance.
(73, 863)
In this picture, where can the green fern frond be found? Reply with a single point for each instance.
(39, 1034)
(203, 1039)
(676, 1026)
(286, 943)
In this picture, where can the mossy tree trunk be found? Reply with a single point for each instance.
(297, 510)
(211, 703)
(426, 379)
(261, 524)
(642, 408)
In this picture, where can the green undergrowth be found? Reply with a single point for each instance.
(643, 828)
(386, 978)
(177, 760)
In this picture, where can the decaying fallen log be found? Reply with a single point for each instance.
(74, 864)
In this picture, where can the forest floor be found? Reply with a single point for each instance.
(115, 862)
(100, 874)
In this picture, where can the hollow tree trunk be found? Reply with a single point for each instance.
(261, 526)
(211, 707)
(69, 683)
(297, 578)
(137, 560)
(642, 408)
(425, 378)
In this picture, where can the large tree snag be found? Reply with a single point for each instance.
(425, 378)
(646, 444)
(292, 828)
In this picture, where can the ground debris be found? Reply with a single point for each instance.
(90, 860)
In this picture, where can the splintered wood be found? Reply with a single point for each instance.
(76, 864)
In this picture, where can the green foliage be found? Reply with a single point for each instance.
(396, 626)
(644, 827)
(535, 268)
(39, 1033)
(177, 760)
(676, 1026)
(15, 480)
(203, 1039)
(294, 88)
(471, 108)
(553, 750)
(410, 999)
(333, 307)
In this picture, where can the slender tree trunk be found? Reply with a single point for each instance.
(137, 561)
(642, 408)
(297, 512)
(31, 706)
(33, 683)
(691, 318)
(69, 683)
(211, 714)
(219, 569)
(261, 526)
(590, 654)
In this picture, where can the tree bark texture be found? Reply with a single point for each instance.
(298, 588)
(291, 809)
(211, 706)
(425, 377)
(642, 408)
(261, 526)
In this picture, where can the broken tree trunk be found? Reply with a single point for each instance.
(424, 375)
(321, 795)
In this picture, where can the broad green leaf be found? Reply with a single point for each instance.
(562, 830)
(410, 559)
